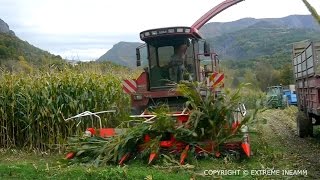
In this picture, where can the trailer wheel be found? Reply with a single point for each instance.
(304, 126)
(310, 127)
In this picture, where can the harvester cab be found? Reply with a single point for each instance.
(174, 54)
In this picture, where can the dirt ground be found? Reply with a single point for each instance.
(304, 152)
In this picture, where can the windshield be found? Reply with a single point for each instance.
(274, 91)
(171, 62)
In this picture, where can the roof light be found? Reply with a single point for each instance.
(147, 33)
(163, 31)
(179, 30)
(154, 33)
(187, 30)
(170, 30)
(141, 35)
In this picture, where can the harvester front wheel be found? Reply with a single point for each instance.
(304, 125)
(136, 111)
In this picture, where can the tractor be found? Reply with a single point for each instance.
(276, 97)
(175, 54)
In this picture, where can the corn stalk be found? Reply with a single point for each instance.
(33, 106)
(312, 10)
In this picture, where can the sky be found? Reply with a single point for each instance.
(86, 29)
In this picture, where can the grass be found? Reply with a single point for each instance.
(33, 166)
(16, 164)
(267, 154)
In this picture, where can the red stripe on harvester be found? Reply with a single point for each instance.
(132, 84)
(219, 80)
(213, 76)
(125, 90)
(129, 86)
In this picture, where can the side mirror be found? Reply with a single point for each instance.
(138, 57)
(206, 49)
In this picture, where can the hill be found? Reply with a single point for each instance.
(122, 53)
(13, 50)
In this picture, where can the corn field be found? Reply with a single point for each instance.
(33, 107)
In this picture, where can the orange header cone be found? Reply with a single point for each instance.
(246, 148)
(152, 156)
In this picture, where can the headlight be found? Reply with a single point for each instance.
(203, 92)
(137, 97)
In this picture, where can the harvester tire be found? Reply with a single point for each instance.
(136, 111)
(304, 125)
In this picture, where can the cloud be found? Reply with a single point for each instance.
(90, 26)
(89, 54)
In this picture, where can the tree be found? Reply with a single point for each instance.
(286, 74)
(3, 51)
(250, 77)
(266, 75)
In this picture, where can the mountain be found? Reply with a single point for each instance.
(13, 50)
(293, 21)
(260, 39)
(243, 39)
(4, 28)
(122, 53)
(218, 28)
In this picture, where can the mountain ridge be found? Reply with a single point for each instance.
(14, 50)
(122, 53)
(4, 28)
(213, 29)
(245, 38)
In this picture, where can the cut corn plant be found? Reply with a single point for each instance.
(210, 125)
